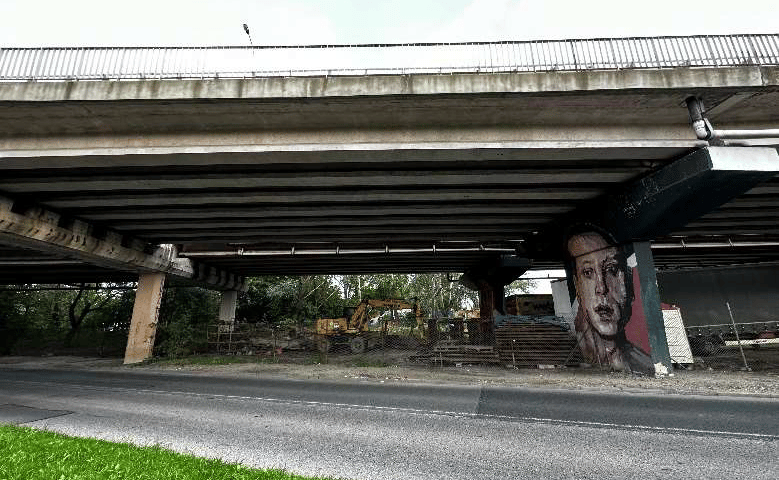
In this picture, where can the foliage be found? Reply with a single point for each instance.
(520, 286)
(382, 285)
(440, 297)
(12, 326)
(291, 300)
(437, 293)
(77, 318)
(185, 314)
(96, 320)
(27, 454)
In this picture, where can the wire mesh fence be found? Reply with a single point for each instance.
(733, 343)
(505, 341)
(513, 341)
(118, 63)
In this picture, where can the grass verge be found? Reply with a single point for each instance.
(28, 454)
(207, 360)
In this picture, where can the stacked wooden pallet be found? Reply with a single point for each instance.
(452, 352)
(532, 344)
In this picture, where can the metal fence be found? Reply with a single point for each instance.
(120, 63)
(385, 342)
(514, 341)
(517, 341)
(734, 343)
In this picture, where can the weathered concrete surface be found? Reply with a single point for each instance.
(40, 229)
(227, 306)
(143, 326)
(232, 157)
(421, 84)
(275, 146)
(404, 109)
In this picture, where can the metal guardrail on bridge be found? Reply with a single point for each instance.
(120, 63)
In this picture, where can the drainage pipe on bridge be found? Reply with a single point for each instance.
(705, 131)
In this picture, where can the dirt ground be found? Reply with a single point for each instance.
(699, 381)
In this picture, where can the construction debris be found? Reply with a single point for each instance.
(531, 341)
(450, 351)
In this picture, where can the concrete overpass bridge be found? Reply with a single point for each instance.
(214, 164)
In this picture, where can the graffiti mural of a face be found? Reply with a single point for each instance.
(600, 282)
(604, 288)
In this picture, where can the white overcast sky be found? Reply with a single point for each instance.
(296, 22)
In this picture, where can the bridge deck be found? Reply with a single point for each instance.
(411, 173)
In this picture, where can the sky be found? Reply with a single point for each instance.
(35, 23)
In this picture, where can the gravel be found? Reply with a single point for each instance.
(697, 381)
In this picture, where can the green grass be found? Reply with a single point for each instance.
(28, 454)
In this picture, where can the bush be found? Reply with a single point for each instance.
(185, 314)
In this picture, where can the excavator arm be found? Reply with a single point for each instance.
(360, 317)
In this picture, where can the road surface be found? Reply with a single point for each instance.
(369, 430)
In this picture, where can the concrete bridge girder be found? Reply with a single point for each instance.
(40, 229)
(389, 85)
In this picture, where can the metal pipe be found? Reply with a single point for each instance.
(704, 130)
(39, 263)
(70, 288)
(728, 244)
(386, 250)
(735, 134)
(695, 108)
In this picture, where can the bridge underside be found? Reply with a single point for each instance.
(350, 175)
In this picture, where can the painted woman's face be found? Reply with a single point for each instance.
(600, 282)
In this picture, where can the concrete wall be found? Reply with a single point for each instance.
(753, 293)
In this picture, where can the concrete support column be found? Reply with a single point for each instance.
(648, 297)
(617, 314)
(491, 299)
(490, 280)
(227, 307)
(143, 326)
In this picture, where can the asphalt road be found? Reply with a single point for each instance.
(383, 431)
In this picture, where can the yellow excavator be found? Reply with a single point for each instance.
(352, 329)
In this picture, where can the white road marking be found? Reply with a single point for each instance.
(414, 411)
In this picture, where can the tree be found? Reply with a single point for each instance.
(519, 286)
(49, 316)
(290, 299)
(79, 305)
(377, 286)
(439, 296)
(185, 313)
